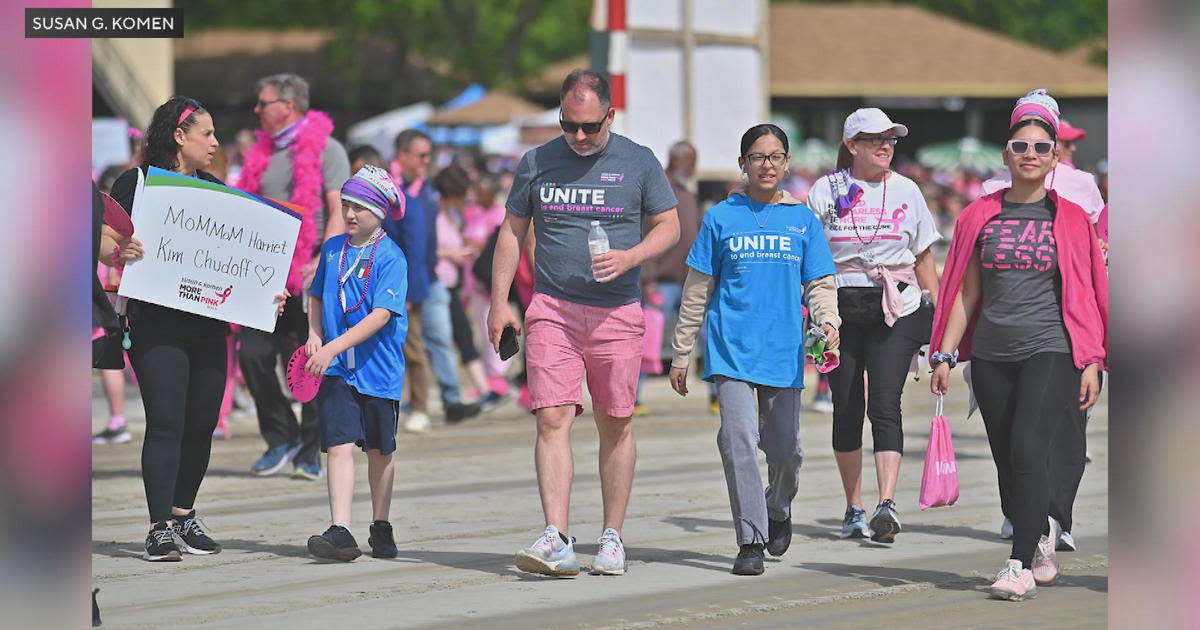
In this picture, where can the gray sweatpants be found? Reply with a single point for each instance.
(772, 425)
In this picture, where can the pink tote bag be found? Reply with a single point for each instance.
(939, 482)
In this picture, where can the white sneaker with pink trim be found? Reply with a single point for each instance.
(610, 557)
(1014, 582)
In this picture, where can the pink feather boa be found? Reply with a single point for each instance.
(307, 183)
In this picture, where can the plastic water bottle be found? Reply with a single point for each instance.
(597, 243)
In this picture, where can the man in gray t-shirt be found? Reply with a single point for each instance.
(297, 134)
(578, 324)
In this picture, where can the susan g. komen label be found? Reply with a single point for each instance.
(69, 23)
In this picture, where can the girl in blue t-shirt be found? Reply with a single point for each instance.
(756, 255)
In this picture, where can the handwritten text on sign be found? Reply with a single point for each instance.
(210, 250)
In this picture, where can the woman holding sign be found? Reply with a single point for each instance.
(179, 358)
(756, 255)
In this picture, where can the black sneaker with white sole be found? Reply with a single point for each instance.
(383, 544)
(885, 524)
(160, 544)
(337, 543)
(191, 537)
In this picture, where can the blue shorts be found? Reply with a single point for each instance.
(348, 416)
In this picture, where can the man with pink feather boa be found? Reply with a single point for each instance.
(296, 160)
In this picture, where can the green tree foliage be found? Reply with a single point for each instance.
(490, 42)
(1054, 24)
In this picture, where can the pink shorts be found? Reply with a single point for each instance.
(564, 340)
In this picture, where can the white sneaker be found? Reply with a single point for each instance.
(416, 422)
(549, 555)
(1065, 542)
(610, 557)
(1006, 531)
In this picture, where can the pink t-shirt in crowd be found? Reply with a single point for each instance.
(448, 237)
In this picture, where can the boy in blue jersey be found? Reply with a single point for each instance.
(357, 324)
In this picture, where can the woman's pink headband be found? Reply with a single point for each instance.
(187, 111)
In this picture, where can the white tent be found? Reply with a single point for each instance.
(380, 131)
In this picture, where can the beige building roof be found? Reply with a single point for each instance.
(496, 108)
(827, 50)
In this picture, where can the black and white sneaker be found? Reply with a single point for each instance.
(191, 537)
(383, 544)
(113, 436)
(337, 543)
(160, 544)
(885, 524)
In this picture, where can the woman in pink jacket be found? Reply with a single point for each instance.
(1025, 297)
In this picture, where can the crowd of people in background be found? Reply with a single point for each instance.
(467, 248)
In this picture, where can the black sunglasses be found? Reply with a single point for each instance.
(588, 127)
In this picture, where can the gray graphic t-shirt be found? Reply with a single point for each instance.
(564, 192)
(1021, 290)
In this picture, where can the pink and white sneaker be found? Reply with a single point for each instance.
(1013, 583)
(1045, 559)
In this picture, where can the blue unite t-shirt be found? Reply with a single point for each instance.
(378, 368)
(761, 257)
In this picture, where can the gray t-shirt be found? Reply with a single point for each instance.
(335, 170)
(1021, 286)
(564, 192)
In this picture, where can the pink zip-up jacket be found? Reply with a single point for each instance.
(1080, 264)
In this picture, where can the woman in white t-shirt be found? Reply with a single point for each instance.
(879, 232)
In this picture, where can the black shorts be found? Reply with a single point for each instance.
(348, 416)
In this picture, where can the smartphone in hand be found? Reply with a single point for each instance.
(508, 343)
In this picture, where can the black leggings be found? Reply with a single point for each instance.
(181, 365)
(1068, 460)
(464, 334)
(1022, 403)
(885, 354)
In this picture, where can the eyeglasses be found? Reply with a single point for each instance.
(588, 127)
(261, 103)
(777, 159)
(877, 141)
(1021, 147)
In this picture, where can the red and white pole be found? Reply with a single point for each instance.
(618, 59)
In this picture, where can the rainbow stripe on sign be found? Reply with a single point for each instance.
(161, 177)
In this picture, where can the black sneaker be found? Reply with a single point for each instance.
(383, 545)
(191, 537)
(780, 536)
(160, 544)
(337, 543)
(461, 411)
(885, 524)
(749, 560)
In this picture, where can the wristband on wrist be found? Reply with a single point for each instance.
(949, 358)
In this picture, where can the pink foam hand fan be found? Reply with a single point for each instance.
(303, 385)
(116, 217)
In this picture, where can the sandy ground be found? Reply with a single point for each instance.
(466, 500)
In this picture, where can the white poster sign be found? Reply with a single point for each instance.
(210, 249)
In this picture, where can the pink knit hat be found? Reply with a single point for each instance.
(1037, 103)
